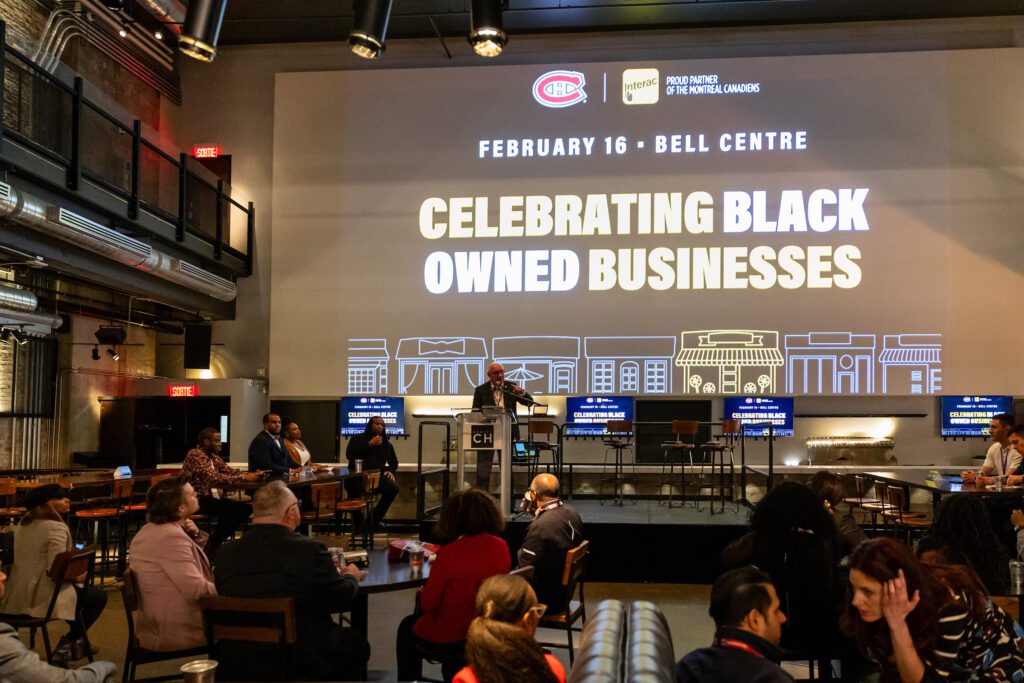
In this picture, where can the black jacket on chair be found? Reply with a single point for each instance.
(267, 453)
(271, 561)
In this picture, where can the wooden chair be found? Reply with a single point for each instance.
(362, 506)
(680, 447)
(618, 441)
(251, 628)
(66, 567)
(325, 504)
(571, 608)
(905, 524)
(135, 654)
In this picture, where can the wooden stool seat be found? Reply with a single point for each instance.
(98, 513)
(351, 505)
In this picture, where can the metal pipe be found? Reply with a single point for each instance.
(18, 299)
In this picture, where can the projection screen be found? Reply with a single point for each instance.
(834, 225)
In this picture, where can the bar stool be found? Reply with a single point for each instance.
(110, 514)
(10, 513)
(619, 440)
(363, 505)
(717, 451)
(545, 428)
(325, 505)
(670, 449)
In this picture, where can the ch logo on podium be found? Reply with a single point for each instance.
(482, 436)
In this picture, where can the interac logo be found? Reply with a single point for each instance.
(640, 86)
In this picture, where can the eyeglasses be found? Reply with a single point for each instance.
(539, 609)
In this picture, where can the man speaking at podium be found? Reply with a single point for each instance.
(496, 392)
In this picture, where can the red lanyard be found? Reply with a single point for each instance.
(737, 645)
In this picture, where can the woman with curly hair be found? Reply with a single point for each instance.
(500, 645)
(928, 622)
(962, 533)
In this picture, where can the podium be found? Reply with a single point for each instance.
(486, 432)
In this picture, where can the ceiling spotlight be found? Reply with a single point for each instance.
(113, 354)
(368, 27)
(123, 31)
(486, 34)
(95, 353)
(158, 35)
(201, 30)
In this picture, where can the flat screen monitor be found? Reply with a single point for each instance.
(589, 415)
(970, 415)
(753, 409)
(356, 411)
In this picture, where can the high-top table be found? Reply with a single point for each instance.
(946, 483)
(384, 576)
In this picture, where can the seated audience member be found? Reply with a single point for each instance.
(469, 525)
(748, 626)
(374, 448)
(267, 452)
(555, 529)
(1001, 458)
(207, 470)
(796, 542)
(272, 561)
(297, 451)
(829, 489)
(500, 645)
(962, 533)
(20, 665)
(928, 622)
(39, 538)
(171, 569)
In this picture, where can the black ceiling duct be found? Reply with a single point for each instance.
(201, 31)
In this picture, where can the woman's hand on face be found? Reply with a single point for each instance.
(896, 604)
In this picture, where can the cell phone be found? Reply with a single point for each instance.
(79, 546)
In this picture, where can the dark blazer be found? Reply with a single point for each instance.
(266, 453)
(274, 562)
(720, 664)
(483, 395)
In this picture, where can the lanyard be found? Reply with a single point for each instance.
(737, 645)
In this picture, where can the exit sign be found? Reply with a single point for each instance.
(206, 151)
(183, 390)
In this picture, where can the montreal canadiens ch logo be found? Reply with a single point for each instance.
(558, 89)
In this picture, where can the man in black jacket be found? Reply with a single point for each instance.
(497, 392)
(272, 561)
(748, 627)
(267, 451)
(555, 530)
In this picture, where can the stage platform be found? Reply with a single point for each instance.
(646, 542)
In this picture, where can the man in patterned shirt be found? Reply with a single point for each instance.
(208, 471)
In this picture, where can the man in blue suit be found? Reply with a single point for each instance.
(267, 451)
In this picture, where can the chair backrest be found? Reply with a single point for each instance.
(575, 562)
(325, 496)
(130, 598)
(66, 567)
(250, 625)
(649, 654)
(685, 427)
(157, 478)
(525, 572)
(122, 490)
(620, 426)
(896, 498)
(536, 427)
(371, 481)
(732, 427)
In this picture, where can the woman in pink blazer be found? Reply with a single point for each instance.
(171, 569)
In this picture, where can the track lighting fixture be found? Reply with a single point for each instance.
(96, 353)
(113, 354)
(123, 31)
(369, 27)
(486, 34)
(159, 35)
(201, 30)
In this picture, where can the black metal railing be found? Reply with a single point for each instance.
(54, 119)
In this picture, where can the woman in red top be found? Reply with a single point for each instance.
(469, 523)
(500, 646)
